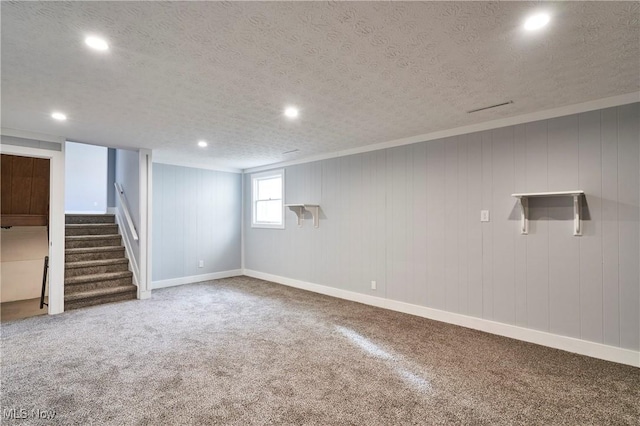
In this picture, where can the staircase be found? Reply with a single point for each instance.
(96, 270)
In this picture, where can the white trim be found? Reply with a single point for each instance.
(112, 210)
(242, 220)
(56, 218)
(196, 278)
(263, 176)
(133, 265)
(569, 344)
(612, 101)
(145, 202)
(194, 164)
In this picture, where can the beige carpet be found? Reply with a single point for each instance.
(243, 351)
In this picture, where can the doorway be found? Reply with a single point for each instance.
(24, 238)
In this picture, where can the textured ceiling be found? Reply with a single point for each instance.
(361, 73)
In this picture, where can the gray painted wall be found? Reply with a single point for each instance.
(196, 216)
(111, 177)
(128, 175)
(409, 218)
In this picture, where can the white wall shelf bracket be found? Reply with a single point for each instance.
(523, 198)
(300, 209)
(524, 215)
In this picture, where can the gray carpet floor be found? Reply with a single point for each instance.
(243, 351)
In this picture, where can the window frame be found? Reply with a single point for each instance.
(255, 178)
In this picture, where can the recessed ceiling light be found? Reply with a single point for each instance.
(202, 144)
(96, 43)
(537, 21)
(58, 116)
(291, 112)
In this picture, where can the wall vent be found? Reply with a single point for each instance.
(489, 107)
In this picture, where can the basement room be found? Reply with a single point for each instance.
(320, 213)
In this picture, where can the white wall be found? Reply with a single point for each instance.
(409, 218)
(23, 252)
(85, 178)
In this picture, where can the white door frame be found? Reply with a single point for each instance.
(56, 218)
(145, 182)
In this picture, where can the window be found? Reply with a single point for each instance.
(267, 204)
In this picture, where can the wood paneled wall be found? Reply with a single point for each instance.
(25, 191)
(409, 218)
(196, 216)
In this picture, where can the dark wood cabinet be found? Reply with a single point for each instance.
(24, 191)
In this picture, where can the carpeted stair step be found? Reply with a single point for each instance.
(89, 218)
(96, 270)
(93, 253)
(91, 229)
(85, 241)
(99, 296)
(84, 283)
(92, 267)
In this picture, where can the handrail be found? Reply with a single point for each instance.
(44, 282)
(127, 215)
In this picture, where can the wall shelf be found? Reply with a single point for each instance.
(300, 209)
(523, 198)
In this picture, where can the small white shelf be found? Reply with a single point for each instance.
(300, 209)
(523, 198)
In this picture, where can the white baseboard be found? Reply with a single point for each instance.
(133, 264)
(112, 210)
(195, 279)
(569, 344)
(144, 294)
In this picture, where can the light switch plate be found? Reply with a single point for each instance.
(484, 215)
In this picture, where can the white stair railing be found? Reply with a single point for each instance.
(125, 209)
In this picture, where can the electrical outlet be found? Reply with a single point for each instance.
(201, 264)
(373, 285)
(484, 215)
